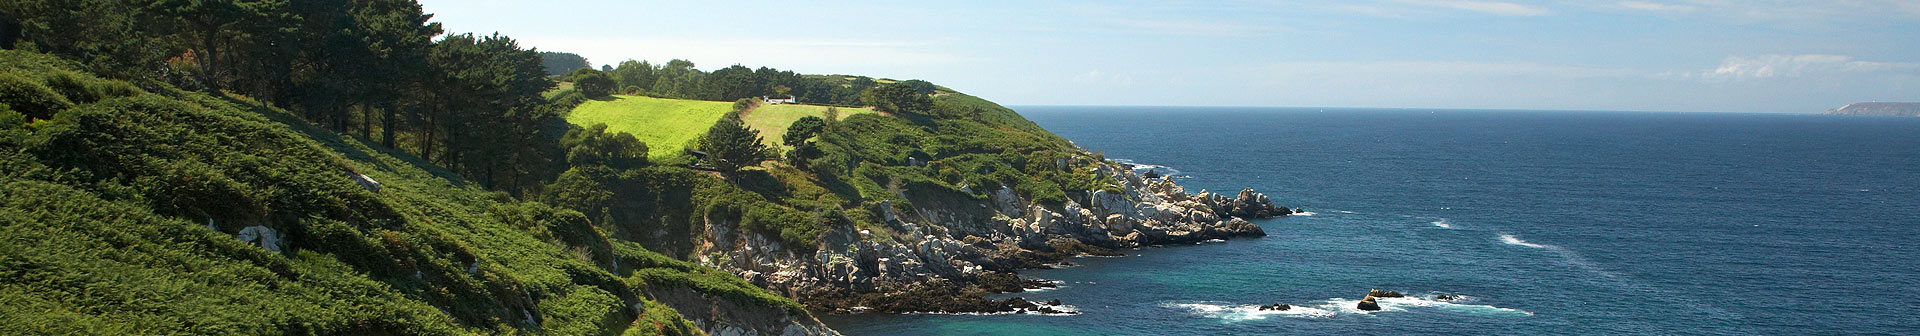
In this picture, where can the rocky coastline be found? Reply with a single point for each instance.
(947, 256)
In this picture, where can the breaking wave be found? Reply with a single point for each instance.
(1142, 168)
(1511, 240)
(1336, 307)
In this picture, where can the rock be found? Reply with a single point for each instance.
(1020, 303)
(1444, 297)
(1276, 307)
(1384, 294)
(366, 182)
(1053, 302)
(261, 236)
(1368, 304)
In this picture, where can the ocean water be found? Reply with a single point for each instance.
(1548, 222)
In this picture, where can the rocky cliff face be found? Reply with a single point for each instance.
(946, 254)
(719, 316)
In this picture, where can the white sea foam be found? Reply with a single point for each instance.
(1457, 305)
(1335, 307)
(1511, 240)
(1057, 284)
(1064, 310)
(1343, 211)
(1303, 213)
(1442, 223)
(1238, 312)
(1140, 168)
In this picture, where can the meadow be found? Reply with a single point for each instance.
(772, 120)
(666, 125)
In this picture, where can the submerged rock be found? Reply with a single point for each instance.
(1276, 307)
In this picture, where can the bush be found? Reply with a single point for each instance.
(594, 84)
(30, 96)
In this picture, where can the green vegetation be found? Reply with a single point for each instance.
(108, 203)
(897, 98)
(665, 125)
(148, 133)
(730, 145)
(773, 120)
(593, 146)
(593, 83)
(557, 63)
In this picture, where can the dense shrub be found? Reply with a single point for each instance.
(107, 205)
(30, 96)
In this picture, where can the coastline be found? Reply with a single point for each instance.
(958, 258)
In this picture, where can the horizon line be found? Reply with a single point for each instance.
(1406, 108)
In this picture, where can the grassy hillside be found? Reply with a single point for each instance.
(666, 125)
(106, 204)
(772, 120)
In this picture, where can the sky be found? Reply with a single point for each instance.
(1639, 55)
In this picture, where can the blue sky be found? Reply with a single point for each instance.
(1653, 55)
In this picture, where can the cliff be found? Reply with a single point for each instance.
(930, 212)
(1878, 109)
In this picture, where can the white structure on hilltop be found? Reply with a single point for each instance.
(778, 101)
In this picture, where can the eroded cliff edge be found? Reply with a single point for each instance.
(955, 249)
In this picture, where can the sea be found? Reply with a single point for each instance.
(1541, 222)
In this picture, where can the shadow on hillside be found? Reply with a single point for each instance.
(338, 143)
(760, 182)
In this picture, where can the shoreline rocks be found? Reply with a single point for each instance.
(948, 254)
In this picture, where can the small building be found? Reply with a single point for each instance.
(778, 101)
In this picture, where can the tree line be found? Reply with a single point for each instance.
(382, 71)
(377, 69)
(679, 79)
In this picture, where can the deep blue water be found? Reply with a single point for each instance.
(1549, 222)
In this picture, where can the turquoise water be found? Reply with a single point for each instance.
(1548, 223)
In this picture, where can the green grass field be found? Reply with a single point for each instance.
(664, 124)
(772, 120)
(558, 89)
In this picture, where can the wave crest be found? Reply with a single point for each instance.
(1511, 240)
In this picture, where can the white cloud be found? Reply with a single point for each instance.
(1488, 7)
(1656, 6)
(1796, 11)
(1769, 66)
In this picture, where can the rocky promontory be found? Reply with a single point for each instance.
(1878, 109)
(949, 252)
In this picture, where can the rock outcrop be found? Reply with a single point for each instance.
(1368, 304)
(720, 316)
(1878, 109)
(946, 254)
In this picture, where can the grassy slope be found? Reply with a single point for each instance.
(666, 125)
(772, 120)
(103, 230)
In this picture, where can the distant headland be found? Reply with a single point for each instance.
(1878, 109)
